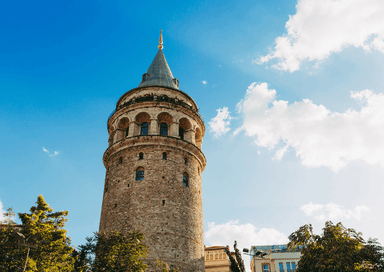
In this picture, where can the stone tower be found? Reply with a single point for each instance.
(153, 167)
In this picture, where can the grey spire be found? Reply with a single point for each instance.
(159, 74)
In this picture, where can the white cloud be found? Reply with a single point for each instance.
(319, 136)
(219, 124)
(333, 212)
(321, 27)
(51, 155)
(246, 235)
(1, 211)
(204, 82)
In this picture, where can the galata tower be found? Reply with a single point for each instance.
(153, 167)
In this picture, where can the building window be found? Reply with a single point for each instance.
(126, 132)
(185, 179)
(288, 267)
(293, 267)
(121, 160)
(181, 133)
(281, 267)
(164, 155)
(144, 129)
(266, 268)
(185, 160)
(163, 129)
(140, 174)
(141, 156)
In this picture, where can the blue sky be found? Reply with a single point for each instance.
(291, 93)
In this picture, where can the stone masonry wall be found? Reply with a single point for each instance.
(167, 212)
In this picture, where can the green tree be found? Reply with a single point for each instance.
(237, 265)
(112, 252)
(338, 249)
(10, 257)
(40, 241)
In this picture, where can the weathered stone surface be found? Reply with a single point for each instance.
(169, 213)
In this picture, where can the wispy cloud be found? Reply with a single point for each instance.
(219, 124)
(333, 212)
(321, 27)
(319, 136)
(50, 154)
(246, 236)
(204, 82)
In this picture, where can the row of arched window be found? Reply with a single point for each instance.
(164, 123)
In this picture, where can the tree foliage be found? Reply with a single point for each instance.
(337, 249)
(41, 237)
(10, 256)
(112, 252)
(236, 265)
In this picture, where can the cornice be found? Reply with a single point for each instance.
(159, 140)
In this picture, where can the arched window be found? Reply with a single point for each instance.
(141, 156)
(164, 155)
(140, 174)
(144, 129)
(185, 180)
(126, 132)
(121, 160)
(163, 129)
(185, 160)
(181, 133)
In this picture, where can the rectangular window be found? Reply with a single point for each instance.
(293, 267)
(288, 267)
(266, 268)
(281, 267)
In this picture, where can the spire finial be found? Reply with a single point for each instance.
(161, 40)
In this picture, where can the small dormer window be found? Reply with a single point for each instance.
(176, 81)
(145, 76)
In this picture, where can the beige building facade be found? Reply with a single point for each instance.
(277, 259)
(216, 260)
(153, 167)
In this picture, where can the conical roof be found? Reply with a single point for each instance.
(159, 74)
